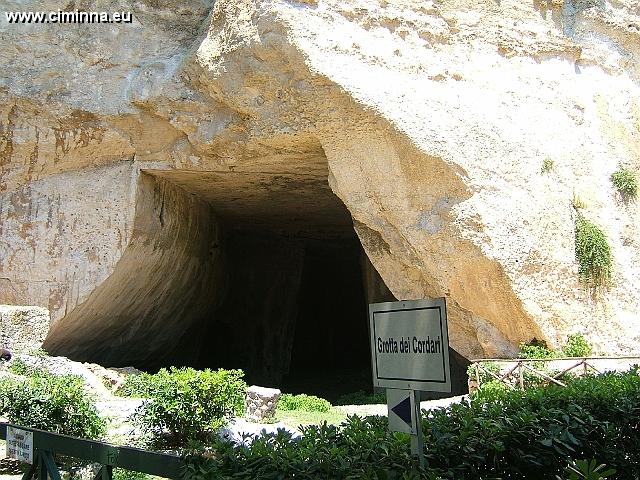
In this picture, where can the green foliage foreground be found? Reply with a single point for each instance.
(517, 435)
(58, 404)
(185, 404)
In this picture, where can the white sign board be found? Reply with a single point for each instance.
(410, 345)
(19, 444)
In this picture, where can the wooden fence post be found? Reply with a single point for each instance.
(520, 375)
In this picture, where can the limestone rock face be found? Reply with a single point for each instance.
(23, 328)
(430, 121)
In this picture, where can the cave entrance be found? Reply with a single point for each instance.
(288, 299)
(256, 270)
(330, 351)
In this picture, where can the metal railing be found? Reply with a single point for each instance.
(512, 372)
(47, 444)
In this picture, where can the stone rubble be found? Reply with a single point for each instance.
(260, 403)
(242, 432)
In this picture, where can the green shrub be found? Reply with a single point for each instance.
(626, 183)
(490, 390)
(362, 398)
(516, 435)
(358, 449)
(577, 346)
(123, 474)
(489, 383)
(593, 255)
(583, 469)
(138, 385)
(186, 404)
(547, 165)
(308, 403)
(536, 349)
(484, 373)
(20, 367)
(532, 434)
(58, 404)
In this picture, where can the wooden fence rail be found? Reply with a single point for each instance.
(511, 372)
(46, 444)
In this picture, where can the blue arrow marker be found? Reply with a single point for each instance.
(403, 410)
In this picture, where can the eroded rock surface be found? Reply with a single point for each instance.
(23, 328)
(126, 149)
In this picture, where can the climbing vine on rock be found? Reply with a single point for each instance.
(593, 255)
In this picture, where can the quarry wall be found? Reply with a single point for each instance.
(430, 121)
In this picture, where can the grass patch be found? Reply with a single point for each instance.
(577, 202)
(302, 401)
(362, 398)
(300, 417)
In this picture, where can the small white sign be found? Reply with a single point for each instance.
(401, 410)
(19, 444)
(410, 345)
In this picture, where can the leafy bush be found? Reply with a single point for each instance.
(136, 386)
(124, 474)
(593, 255)
(308, 403)
(626, 183)
(547, 165)
(20, 367)
(58, 404)
(489, 383)
(186, 404)
(490, 389)
(484, 373)
(577, 346)
(517, 435)
(536, 349)
(583, 469)
(362, 398)
(358, 449)
(531, 434)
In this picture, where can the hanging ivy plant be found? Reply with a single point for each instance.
(593, 255)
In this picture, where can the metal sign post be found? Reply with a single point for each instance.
(409, 355)
(417, 438)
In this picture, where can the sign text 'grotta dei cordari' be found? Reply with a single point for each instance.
(410, 345)
(213, 173)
